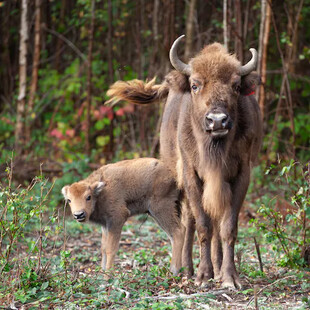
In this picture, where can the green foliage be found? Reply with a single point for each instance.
(22, 211)
(284, 216)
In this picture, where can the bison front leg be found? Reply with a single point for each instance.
(103, 247)
(216, 252)
(113, 236)
(229, 230)
(193, 191)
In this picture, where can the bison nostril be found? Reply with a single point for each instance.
(79, 215)
(209, 122)
(216, 121)
(224, 121)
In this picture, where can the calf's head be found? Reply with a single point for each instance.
(216, 79)
(82, 198)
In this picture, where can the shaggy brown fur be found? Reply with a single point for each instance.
(212, 165)
(115, 192)
(137, 92)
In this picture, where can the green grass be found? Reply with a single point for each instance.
(48, 260)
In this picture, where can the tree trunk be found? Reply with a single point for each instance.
(239, 37)
(190, 29)
(6, 75)
(111, 73)
(225, 29)
(246, 20)
(262, 51)
(153, 62)
(60, 28)
(35, 68)
(20, 116)
(89, 76)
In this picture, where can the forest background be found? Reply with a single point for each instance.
(58, 58)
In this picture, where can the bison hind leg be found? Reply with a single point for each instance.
(187, 254)
(165, 213)
(216, 253)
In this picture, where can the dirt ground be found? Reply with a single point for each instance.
(276, 288)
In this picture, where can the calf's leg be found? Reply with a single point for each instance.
(103, 247)
(112, 244)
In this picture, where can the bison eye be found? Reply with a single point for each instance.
(88, 198)
(194, 88)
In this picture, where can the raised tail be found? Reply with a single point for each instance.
(137, 92)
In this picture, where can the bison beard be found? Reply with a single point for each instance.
(212, 167)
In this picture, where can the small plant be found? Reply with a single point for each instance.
(285, 216)
(21, 211)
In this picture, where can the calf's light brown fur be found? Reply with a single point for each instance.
(113, 193)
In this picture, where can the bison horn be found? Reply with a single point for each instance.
(251, 65)
(174, 59)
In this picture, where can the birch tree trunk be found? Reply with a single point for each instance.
(190, 29)
(20, 116)
(225, 29)
(35, 68)
(262, 51)
(89, 76)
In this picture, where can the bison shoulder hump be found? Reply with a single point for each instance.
(178, 81)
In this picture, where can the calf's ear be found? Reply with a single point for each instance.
(97, 187)
(64, 191)
(249, 83)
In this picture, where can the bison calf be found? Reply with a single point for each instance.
(113, 193)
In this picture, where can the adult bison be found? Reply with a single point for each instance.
(210, 135)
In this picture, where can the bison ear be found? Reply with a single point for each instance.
(97, 187)
(64, 191)
(249, 83)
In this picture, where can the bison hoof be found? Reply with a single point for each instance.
(217, 276)
(203, 278)
(232, 282)
(174, 270)
(188, 272)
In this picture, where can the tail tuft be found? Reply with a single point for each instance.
(137, 92)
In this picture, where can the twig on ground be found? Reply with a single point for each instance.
(268, 285)
(255, 297)
(227, 297)
(127, 294)
(258, 255)
(185, 296)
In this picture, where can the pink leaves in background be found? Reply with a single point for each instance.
(58, 134)
(70, 133)
(129, 108)
(104, 111)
